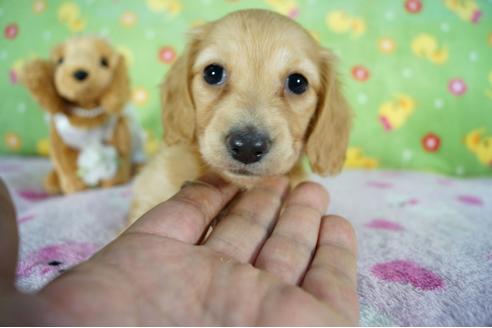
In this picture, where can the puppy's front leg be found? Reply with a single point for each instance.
(163, 176)
(121, 140)
(64, 159)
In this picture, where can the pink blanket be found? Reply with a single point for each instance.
(425, 241)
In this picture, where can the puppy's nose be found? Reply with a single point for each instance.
(80, 75)
(248, 145)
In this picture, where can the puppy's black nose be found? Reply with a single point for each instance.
(80, 75)
(247, 145)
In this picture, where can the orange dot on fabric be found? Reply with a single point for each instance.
(12, 140)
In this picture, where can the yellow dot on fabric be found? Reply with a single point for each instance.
(13, 141)
(386, 45)
(128, 19)
(43, 147)
(39, 6)
(68, 11)
(77, 25)
(151, 143)
(140, 96)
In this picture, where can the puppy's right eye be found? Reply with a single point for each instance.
(214, 74)
(60, 61)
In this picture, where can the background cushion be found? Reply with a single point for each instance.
(418, 73)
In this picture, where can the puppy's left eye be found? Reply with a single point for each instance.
(214, 74)
(104, 62)
(296, 83)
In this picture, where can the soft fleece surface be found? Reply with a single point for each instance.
(425, 240)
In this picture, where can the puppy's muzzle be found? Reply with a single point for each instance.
(248, 145)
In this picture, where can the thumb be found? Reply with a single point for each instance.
(9, 239)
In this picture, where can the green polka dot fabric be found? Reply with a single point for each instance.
(417, 73)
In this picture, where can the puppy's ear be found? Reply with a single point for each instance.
(328, 136)
(38, 76)
(178, 109)
(118, 92)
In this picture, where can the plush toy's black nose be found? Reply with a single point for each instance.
(248, 145)
(80, 75)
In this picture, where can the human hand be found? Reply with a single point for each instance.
(256, 268)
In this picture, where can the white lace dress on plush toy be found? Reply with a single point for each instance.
(97, 160)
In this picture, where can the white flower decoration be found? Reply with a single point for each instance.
(97, 162)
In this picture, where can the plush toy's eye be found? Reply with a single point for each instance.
(296, 83)
(104, 62)
(60, 61)
(214, 74)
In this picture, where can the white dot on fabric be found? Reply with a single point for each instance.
(47, 35)
(21, 107)
(150, 34)
(3, 55)
(104, 31)
(444, 27)
(438, 103)
(407, 73)
(362, 98)
(407, 155)
(389, 15)
(473, 56)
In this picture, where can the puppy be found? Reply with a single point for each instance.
(85, 88)
(251, 95)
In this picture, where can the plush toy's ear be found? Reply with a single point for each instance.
(473, 138)
(118, 92)
(328, 136)
(39, 78)
(178, 111)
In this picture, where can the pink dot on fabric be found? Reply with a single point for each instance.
(384, 225)
(293, 13)
(13, 77)
(25, 218)
(470, 200)
(379, 184)
(457, 87)
(408, 272)
(33, 195)
(444, 182)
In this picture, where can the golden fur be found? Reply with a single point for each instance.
(259, 50)
(52, 84)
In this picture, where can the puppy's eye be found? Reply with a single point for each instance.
(60, 61)
(296, 83)
(104, 62)
(214, 74)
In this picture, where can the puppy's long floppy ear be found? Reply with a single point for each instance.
(330, 127)
(178, 109)
(38, 76)
(118, 92)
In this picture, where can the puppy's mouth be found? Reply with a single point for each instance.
(242, 172)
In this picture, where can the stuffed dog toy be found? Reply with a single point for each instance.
(85, 88)
(251, 95)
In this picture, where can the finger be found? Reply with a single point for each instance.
(187, 214)
(245, 227)
(9, 239)
(288, 251)
(332, 275)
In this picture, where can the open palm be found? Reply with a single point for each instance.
(272, 259)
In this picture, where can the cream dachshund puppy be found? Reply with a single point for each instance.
(251, 95)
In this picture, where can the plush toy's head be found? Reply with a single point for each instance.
(87, 70)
